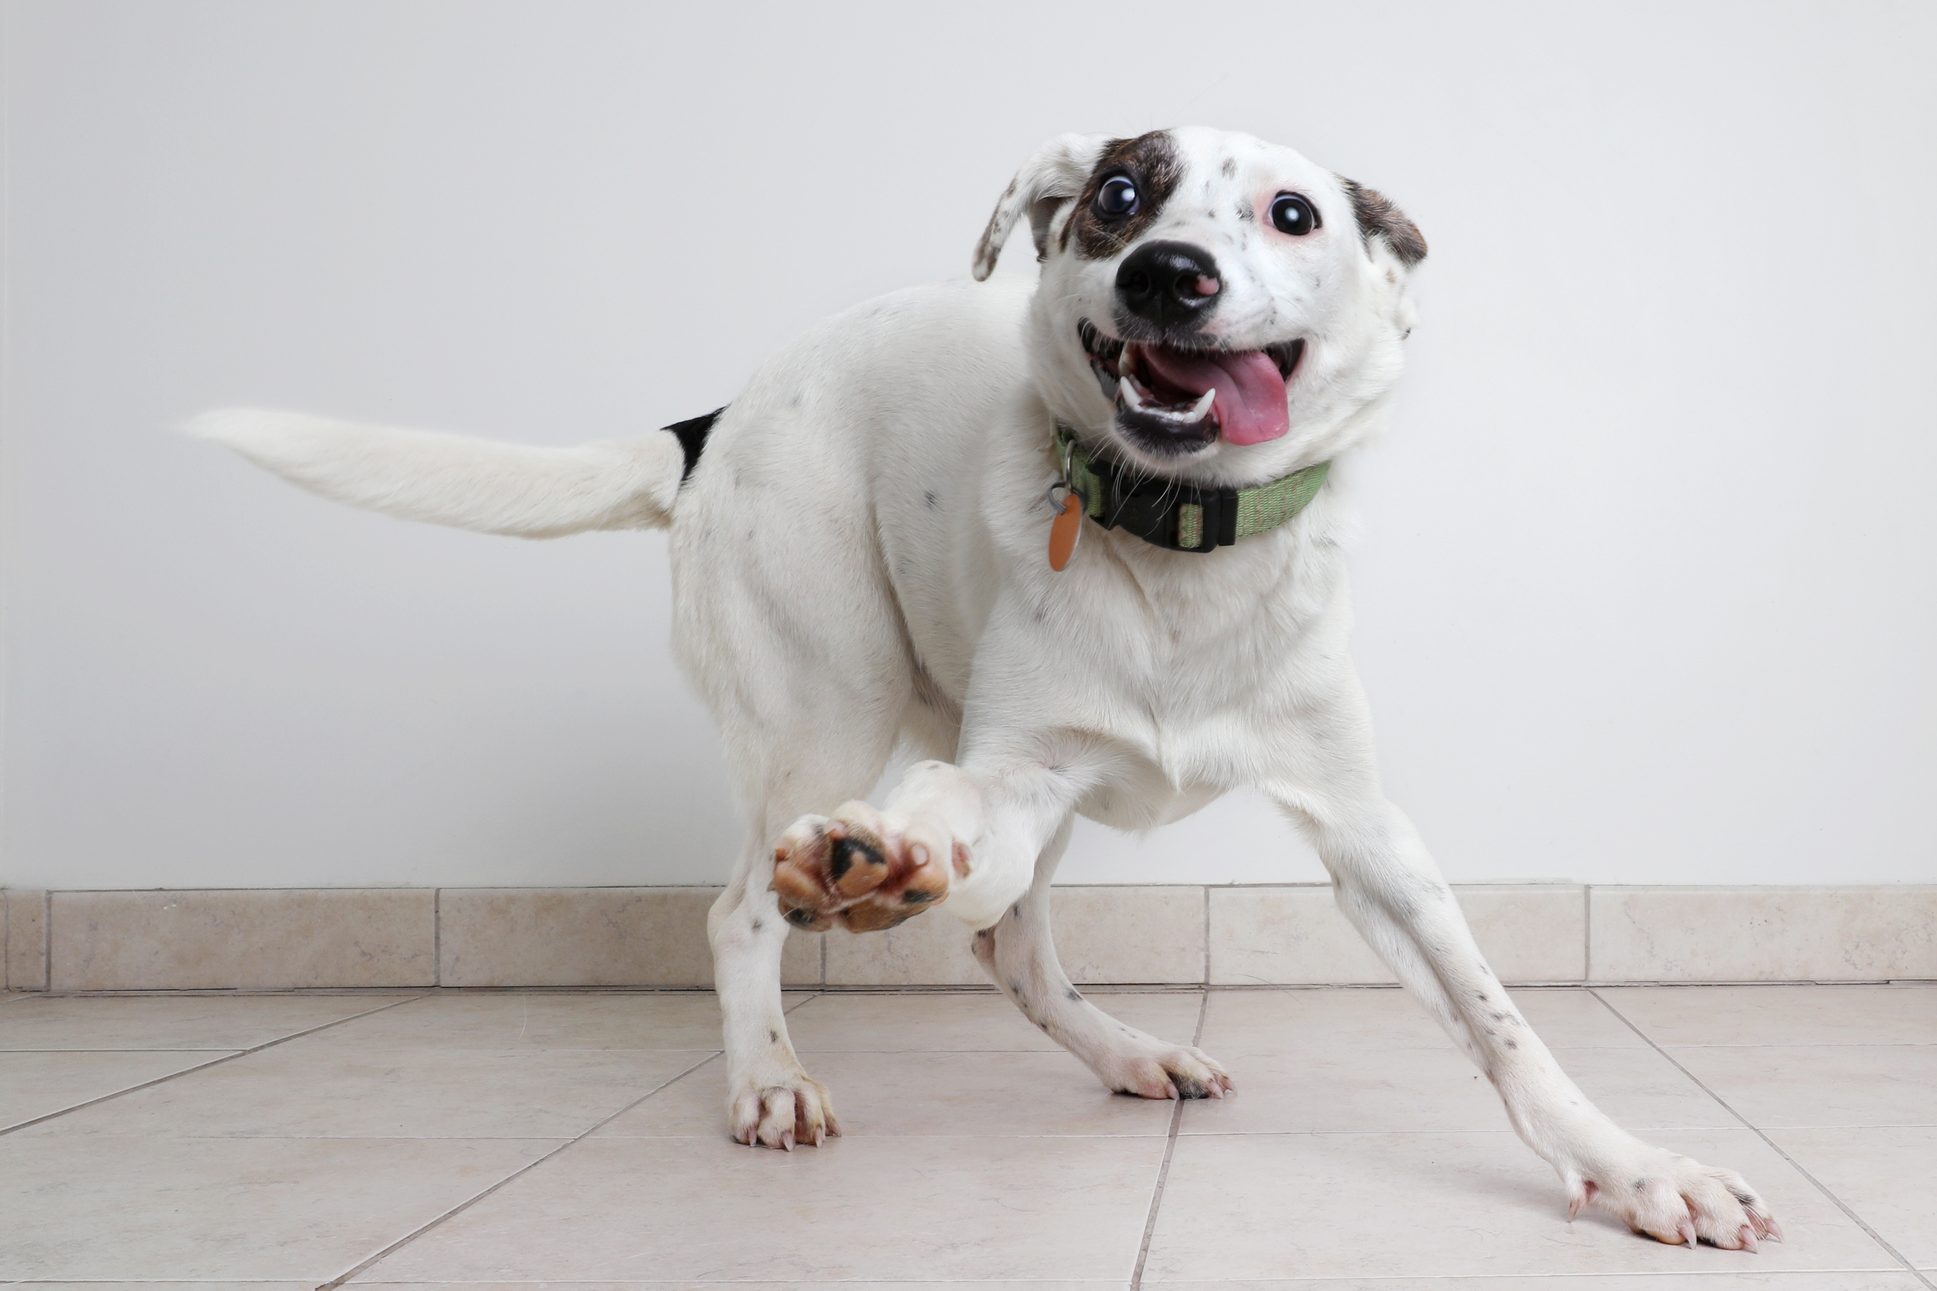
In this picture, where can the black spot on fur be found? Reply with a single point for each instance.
(1073, 994)
(1189, 1088)
(1229, 169)
(915, 896)
(1245, 213)
(1379, 218)
(692, 438)
(928, 498)
(1513, 1044)
(757, 925)
(800, 917)
(1151, 161)
(1641, 1185)
(773, 1037)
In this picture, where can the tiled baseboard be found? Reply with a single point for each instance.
(321, 938)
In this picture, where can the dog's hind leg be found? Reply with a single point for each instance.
(1020, 955)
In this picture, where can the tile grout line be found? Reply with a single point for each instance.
(437, 937)
(1760, 1133)
(520, 1172)
(200, 1066)
(1587, 933)
(1207, 935)
(1170, 1148)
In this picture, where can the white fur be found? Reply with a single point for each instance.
(859, 559)
(456, 480)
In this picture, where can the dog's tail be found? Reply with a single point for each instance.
(455, 480)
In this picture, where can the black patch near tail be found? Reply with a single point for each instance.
(692, 438)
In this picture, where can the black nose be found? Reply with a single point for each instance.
(1171, 284)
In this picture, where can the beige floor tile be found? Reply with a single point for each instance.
(250, 1209)
(1305, 1021)
(249, 939)
(590, 937)
(171, 1286)
(988, 1094)
(1147, 935)
(888, 1208)
(1713, 1015)
(1768, 934)
(1887, 1176)
(1812, 1281)
(547, 1020)
(1468, 1205)
(1827, 1084)
(41, 1083)
(1399, 1090)
(929, 951)
(1296, 935)
(310, 1089)
(218, 1022)
(982, 1020)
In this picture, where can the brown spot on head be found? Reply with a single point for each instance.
(1379, 218)
(1152, 164)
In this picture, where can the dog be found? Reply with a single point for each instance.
(1077, 544)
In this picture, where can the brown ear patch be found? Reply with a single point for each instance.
(1378, 217)
(1151, 161)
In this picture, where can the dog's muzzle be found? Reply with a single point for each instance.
(1173, 286)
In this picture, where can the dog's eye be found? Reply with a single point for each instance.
(1117, 198)
(1292, 214)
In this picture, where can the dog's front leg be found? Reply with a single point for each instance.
(967, 832)
(1392, 891)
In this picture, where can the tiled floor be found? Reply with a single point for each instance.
(518, 1138)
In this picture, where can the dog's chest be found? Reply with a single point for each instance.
(1200, 676)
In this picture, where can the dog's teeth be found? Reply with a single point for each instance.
(1133, 394)
(1202, 407)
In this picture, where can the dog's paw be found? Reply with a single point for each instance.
(1674, 1199)
(858, 867)
(780, 1111)
(1150, 1068)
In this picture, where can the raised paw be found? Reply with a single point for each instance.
(779, 1111)
(1152, 1069)
(1676, 1199)
(859, 868)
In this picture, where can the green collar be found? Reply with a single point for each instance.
(1181, 517)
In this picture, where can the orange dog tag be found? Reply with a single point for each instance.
(1064, 530)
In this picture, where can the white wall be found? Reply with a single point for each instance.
(1646, 591)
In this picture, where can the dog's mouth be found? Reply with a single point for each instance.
(1176, 399)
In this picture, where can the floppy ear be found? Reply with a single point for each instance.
(1379, 218)
(1055, 174)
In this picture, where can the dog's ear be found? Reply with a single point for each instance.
(1379, 218)
(1055, 174)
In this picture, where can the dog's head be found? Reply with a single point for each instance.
(1210, 305)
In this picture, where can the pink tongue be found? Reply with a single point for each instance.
(1250, 400)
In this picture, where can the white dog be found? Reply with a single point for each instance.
(862, 554)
